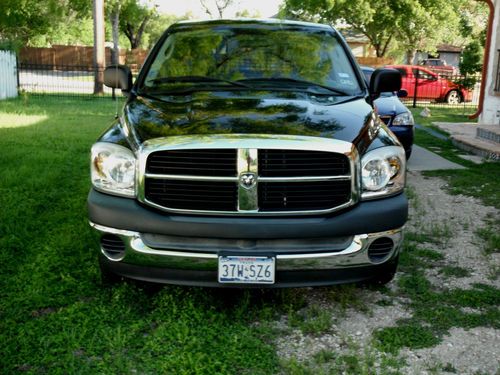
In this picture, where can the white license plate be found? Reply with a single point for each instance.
(246, 270)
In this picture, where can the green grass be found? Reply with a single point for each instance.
(311, 320)
(454, 271)
(491, 237)
(55, 315)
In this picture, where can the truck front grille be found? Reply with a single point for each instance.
(248, 181)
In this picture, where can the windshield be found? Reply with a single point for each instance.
(256, 57)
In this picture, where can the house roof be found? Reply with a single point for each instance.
(448, 48)
(352, 36)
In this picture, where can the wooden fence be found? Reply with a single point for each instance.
(62, 57)
(374, 61)
(8, 75)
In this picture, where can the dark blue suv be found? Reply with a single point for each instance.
(395, 114)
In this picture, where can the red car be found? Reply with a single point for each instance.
(430, 85)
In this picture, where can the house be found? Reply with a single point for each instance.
(359, 43)
(447, 52)
(490, 114)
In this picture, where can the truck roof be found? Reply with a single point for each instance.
(270, 22)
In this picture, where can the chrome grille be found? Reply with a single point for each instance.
(245, 175)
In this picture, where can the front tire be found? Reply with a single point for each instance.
(453, 97)
(385, 275)
(108, 278)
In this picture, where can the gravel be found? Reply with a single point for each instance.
(458, 216)
(477, 351)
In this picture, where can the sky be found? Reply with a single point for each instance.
(265, 8)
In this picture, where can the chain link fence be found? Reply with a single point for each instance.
(452, 91)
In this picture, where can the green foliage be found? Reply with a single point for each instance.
(471, 59)
(134, 17)
(454, 271)
(367, 17)
(78, 31)
(414, 24)
(311, 320)
(390, 339)
(23, 20)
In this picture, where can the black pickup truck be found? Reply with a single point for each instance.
(248, 154)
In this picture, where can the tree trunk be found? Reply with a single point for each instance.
(99, 54)
(115, 26)
(410, 56)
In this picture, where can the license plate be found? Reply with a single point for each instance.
(246, 270)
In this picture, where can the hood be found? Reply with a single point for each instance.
(389, 105)
(343, 118)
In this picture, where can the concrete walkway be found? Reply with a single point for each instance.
(425, 160)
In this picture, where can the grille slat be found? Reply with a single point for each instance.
(301, 163)
(213, 162)
(281, 196)
(224, 200)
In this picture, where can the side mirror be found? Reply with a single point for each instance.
(402, 93)
(118, 77)
(384, 80)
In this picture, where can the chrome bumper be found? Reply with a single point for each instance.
(354, 255)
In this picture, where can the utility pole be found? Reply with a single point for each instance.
(99, 54)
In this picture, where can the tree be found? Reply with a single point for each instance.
(425, 24)
(113, 10)
(220, 5)
(368, 17)
(23, 20)
(134, 17)
(99, 52)
(408, 24)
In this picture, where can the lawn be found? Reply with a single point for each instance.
(55, 316)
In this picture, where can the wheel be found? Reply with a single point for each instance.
(385, 275)
(453, 97)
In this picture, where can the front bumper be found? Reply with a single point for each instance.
(309, 251)
(180, 261)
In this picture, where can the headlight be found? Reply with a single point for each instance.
(113, 169)
(405, 118)
(383, 172)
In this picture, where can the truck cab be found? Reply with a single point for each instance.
(248, 153)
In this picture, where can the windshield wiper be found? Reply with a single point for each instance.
(292, 81)
(196, 79)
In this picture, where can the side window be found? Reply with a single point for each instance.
(423, 75)
(402, 71)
